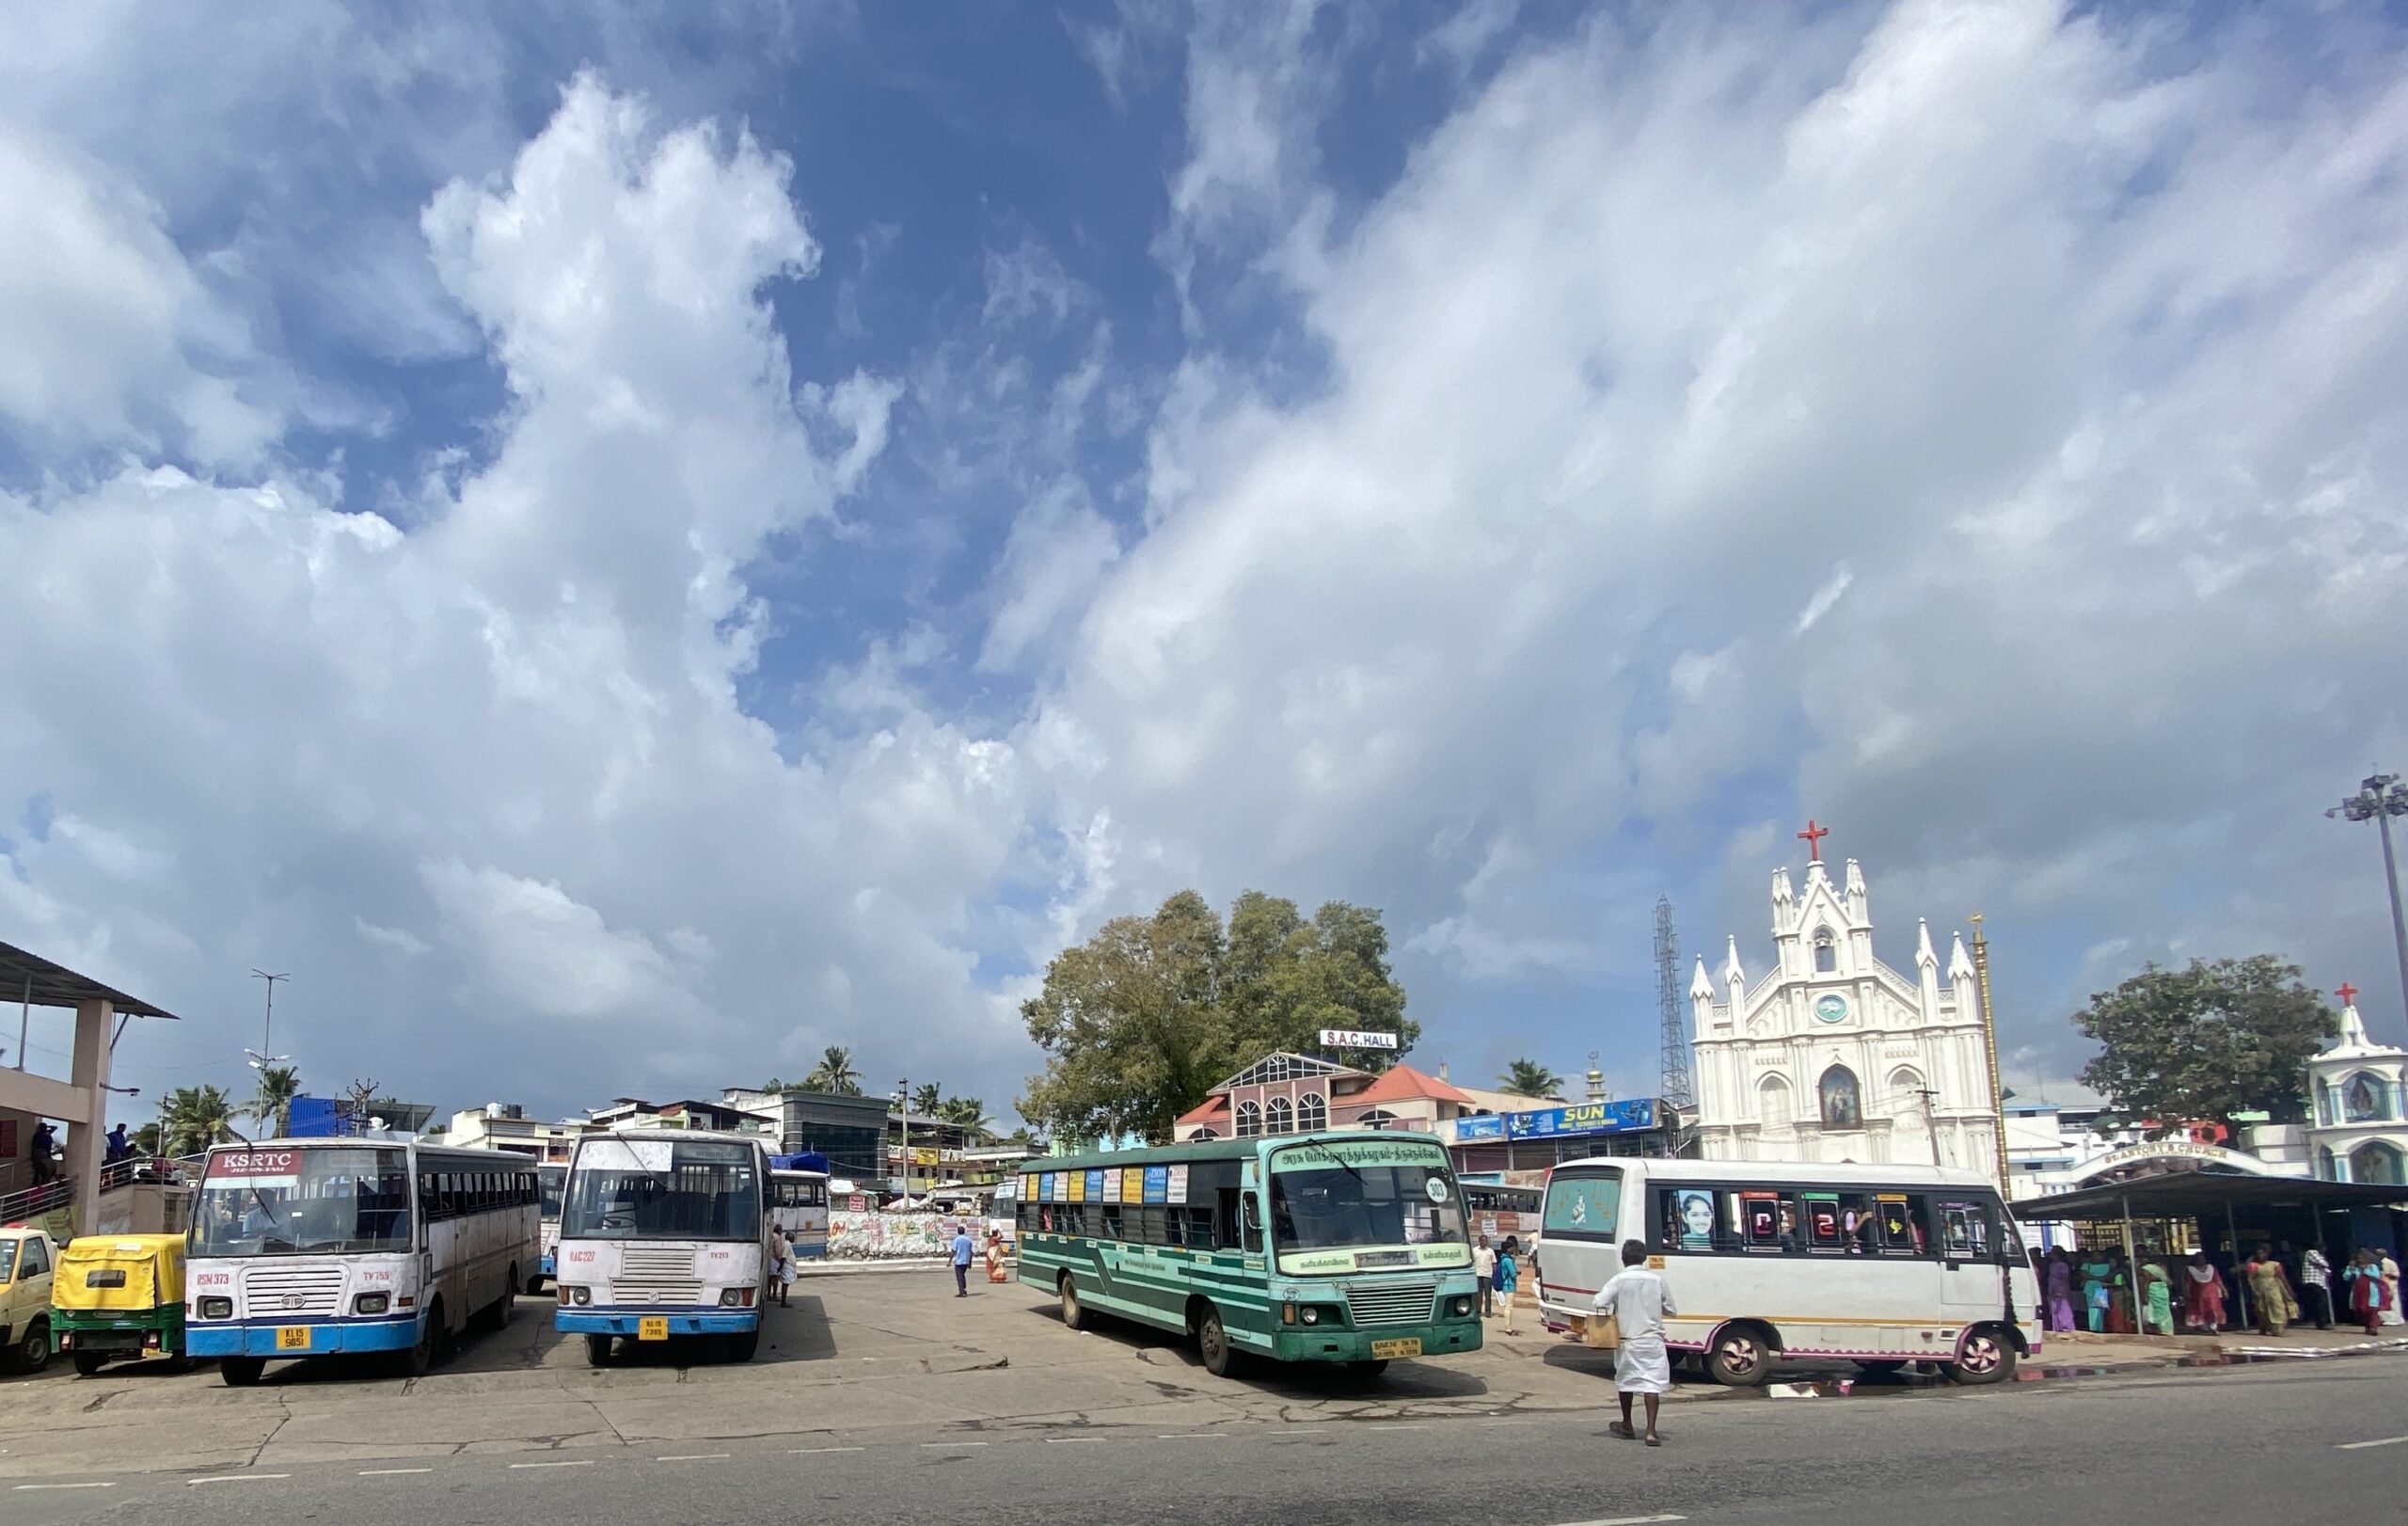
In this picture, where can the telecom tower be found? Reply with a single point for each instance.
(1675, 1087)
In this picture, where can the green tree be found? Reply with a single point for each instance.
(1140, 1021)
(835, 1072)
(2204, 1043)
(969, 1113)
(146, 1140)
(927, 1099)
(1529, 1079)
(191, 1118)
(272, 1108)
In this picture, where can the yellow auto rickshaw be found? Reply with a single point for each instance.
(119, 1296)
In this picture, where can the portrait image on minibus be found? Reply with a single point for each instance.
(1881, 1266)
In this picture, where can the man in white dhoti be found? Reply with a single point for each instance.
(1638, 1300)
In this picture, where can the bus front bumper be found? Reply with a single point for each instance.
(681, 1322)
(259, 1337)
(1338, 1344)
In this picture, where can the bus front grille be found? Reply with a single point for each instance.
(655, 1264)
(292, 1289)
(1392, 1303)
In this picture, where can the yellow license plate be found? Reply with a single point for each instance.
(1383, 1350)
(293, 1338)
(652, 1329)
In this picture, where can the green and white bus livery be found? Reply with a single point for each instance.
(1346, 1248)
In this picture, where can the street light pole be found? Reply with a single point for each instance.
(2381, 797)
(268, 1027)
(903, 1105)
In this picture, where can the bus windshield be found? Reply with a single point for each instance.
(285, 1203)
(550, 1180)
(1323, 1200)
(657, 1189)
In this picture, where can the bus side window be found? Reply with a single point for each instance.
(1691, 1219)
(1825, 1230)
(1902, 1216)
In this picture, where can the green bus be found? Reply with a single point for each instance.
(1365, 1256)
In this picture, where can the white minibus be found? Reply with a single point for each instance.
(304, 1248)
(551, 1179)
(664, 1236)
(798, 1205)
(1879, 1264)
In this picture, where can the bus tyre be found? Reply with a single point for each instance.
(598, 1351)
(1213, 1343)
(1740, 1357)
(1073, 1317)
(740, 1347)
(240, 1371)
(420, 1357)
(1986, 1357)
(89, 1362)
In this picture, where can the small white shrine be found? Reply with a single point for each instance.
(2359, 1091)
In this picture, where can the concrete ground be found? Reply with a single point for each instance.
(873, 1360)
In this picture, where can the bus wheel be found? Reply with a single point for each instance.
(1073, 1317)
(240, 1371)
(1986, 1357)
(740, 1347)
(1741, 1359)
(1213, 1343)
(598, 1351)
(89, 1362)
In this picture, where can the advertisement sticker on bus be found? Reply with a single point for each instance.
(1094, 1185)
(1077, 1189)
(1111, 1175)
(1175, 1190)
(256, 1167)
(1157, 1184)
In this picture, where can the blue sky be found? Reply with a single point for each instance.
(634, 542)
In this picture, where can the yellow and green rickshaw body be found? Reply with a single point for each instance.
(118, 1297)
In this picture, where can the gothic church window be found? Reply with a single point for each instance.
(1842, 1106)
(1827, 952)
(2378, 1163)
(2363, 1099)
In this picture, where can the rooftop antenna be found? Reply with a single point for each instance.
(1675, 1083)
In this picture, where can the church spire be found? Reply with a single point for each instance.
(2354, 1028)
(1701, 989)
(1961, 968)
(1925, 958)
(1732, 974)
(1927, 971)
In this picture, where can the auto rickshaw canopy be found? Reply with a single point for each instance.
(132, 1272)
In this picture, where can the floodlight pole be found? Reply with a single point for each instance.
(2381, 797)
(268, 1027)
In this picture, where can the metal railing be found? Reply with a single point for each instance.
(56, 1192)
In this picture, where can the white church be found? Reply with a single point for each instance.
(1830, 1054)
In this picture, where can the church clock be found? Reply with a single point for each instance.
(1831, 1007)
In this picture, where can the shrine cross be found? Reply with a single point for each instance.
(1814, 836)
(2347, 991)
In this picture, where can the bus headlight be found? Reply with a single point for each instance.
(1309, 1314)
(575, 1293)
(371, 1303)
(1460, 1307)
(735, 1299)
(217, 1308)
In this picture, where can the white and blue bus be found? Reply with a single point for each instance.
(551, 1180)
(798, 1205)
(306, 1247)
(664, 1236)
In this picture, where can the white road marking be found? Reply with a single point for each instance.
(585, 1462)
(953, 1443)
(1191, 1435)
(2359, 1446)
(23, 1487)
(1627, 1520)
(233, 1478)
(693, 1456)
(813, 1452)
(1066, 1440)
(389, 1473)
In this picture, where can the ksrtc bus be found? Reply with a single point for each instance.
(1343, 1248)
(798, 1205)
(1499, 1211)
(1880, 1265)
(551, 1180)
(305, 1247)
(664, 1236)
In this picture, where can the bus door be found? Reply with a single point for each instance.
(1975, 1237)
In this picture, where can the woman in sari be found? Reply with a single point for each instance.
(2202, 1295)
(2270, 1291)
(2366, 1291)
(995, 1256)
(2157, 1292)
(2095, 1274)
(2060, 1286)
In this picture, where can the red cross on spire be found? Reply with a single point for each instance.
(2348, 992)
(1814, 836)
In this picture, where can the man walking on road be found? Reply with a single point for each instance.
(962, 1252)
(1638, 1299)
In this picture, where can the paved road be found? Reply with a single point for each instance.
(886, 1400)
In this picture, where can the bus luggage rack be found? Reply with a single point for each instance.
(1392, 1303)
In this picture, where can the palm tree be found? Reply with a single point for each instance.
(835, 1072)
(971, 1114)
(278, 1086)
(1529, 1079)
(191, 1118)
(928, 1100)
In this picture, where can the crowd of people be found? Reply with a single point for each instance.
(2275, 1287)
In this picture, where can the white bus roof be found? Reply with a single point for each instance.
(679, 1136)
(1791, 1173)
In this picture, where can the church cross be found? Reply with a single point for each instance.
(2348, 992)
(1814, 836)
